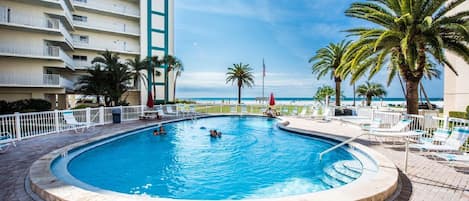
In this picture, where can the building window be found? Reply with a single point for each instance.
(80, 58)
(80, 18)
(83, 39)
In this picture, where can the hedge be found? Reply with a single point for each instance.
(461, 115)
(26, 105)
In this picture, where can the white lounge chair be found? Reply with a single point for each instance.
(169, 110)
(439, 136)
(6, 141)
(457, 138)
(399, 127)
(452, 158)
(71, 121)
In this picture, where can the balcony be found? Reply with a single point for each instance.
(111, 9)
(34, 80)
(24, 21)
(46, 52)
(109, 27)
(119, 48)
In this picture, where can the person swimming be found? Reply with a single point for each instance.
(215, 133)
(156, 132)
(162, 131)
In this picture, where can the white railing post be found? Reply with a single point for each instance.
(122, 112)
(88, 117)
(101, 115)
(56, 120)
(221, 108)
(445, 121)
(142, 112)
(17, 125)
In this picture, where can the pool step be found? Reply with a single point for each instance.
(341, 173)
(341, 168)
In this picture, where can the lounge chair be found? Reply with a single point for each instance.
(71, 121)
(399, 127)
(439, 136)
(169, 110)
(6, 141)
(457, 138)
(453, 157)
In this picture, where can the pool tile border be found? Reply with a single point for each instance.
(380, 186)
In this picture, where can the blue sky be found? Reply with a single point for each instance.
(211, 35)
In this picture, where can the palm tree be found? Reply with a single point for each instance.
(118, 75)
(154, 62)
(94, 82)
(370, 90)
(409, 32)
(178, 69)
(327, 60)
(138, 67)
(242, 75)
(324, 93)
(174, 65)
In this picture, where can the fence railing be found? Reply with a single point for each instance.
(26, 125)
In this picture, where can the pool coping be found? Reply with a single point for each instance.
(382, 185)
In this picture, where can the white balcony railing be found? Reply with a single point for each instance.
(28, 20)
(67, 12)
(82, 64)
(35, 21)
(27, 79)
(110, 26)
(112, 47)
(28, 51)
(104, 6)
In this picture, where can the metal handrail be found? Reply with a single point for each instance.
(339, 145)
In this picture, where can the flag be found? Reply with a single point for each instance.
(263, 68)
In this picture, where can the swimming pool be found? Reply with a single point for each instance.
(252, 159)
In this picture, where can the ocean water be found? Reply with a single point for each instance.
(305, 101)
(252, 159)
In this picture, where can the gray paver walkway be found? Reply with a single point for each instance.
(426, 179)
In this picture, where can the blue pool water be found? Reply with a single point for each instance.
(252, 159)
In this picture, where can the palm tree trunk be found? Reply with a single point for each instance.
(426, 97)
(337, 91)
(174, 90)
(154, 87)
(412, 96)
(239, 94)
(368, 100)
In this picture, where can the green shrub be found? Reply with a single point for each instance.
(81, 106)
(461, 115)
(26, 105)
(467, 112)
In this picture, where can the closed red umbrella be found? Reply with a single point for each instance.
(272, 99)
(150, 102)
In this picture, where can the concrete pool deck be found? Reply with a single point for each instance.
(426, 179)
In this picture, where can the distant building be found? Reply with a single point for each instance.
(456, 88)
(45, 45)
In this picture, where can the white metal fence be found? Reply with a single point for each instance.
(26, 125)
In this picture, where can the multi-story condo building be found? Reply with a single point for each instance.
(45, 45)
(456, 89)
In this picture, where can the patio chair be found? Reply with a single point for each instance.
(454, 158)
(169, 110)
(457, 138)
(71, 121)
(6, 141)
(401, 125)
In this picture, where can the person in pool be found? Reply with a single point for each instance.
(213, 133)
(269, 112)
(156, 132)
(162, 131)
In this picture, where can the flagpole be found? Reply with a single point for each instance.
(263, 76)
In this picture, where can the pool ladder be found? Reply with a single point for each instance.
(339, 145)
